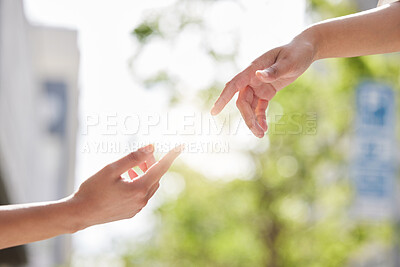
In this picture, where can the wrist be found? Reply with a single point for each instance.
(75, 220)
(312, 38)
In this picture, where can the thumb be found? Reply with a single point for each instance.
(272, 73)
(132, 159)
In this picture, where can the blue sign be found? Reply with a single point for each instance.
(375, 151)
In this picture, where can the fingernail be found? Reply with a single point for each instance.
(258, 134)
(256, 131)
(265, 73)
(147, 149)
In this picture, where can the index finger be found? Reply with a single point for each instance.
(236, 84)
(155, 172)
(132, 159)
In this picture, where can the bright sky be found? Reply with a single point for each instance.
(107, 87)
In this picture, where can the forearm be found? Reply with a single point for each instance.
(376, 31)
(20, 224)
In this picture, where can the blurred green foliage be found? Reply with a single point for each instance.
(294, 210)
(145, 30)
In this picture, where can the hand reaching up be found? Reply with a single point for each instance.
(104, 197)
(107, 197)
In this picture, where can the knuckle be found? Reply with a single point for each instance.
(109, 169)
(256, 64)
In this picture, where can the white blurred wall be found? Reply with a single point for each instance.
(38, 117)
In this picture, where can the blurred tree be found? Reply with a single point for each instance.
(294, 209)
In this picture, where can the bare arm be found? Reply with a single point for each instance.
(104, 197)
(371, 32)
(376, 31)
(22, 224)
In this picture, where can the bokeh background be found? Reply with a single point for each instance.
(83, 82)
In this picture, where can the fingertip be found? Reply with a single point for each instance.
(178, 149)
(230, 89)
(257, 130)
(151, 148)
(214, 111)
(257, 133)
(172, 154)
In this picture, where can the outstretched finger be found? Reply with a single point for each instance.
(154, 174)
(131, 160)
(239, 82)
(150, 161)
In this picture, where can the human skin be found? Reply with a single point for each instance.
(376, 31)
(104, 197)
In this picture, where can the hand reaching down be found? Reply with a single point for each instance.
(259, 82)
(366, 33)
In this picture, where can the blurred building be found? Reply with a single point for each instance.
(38, 122)
(366, 4)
